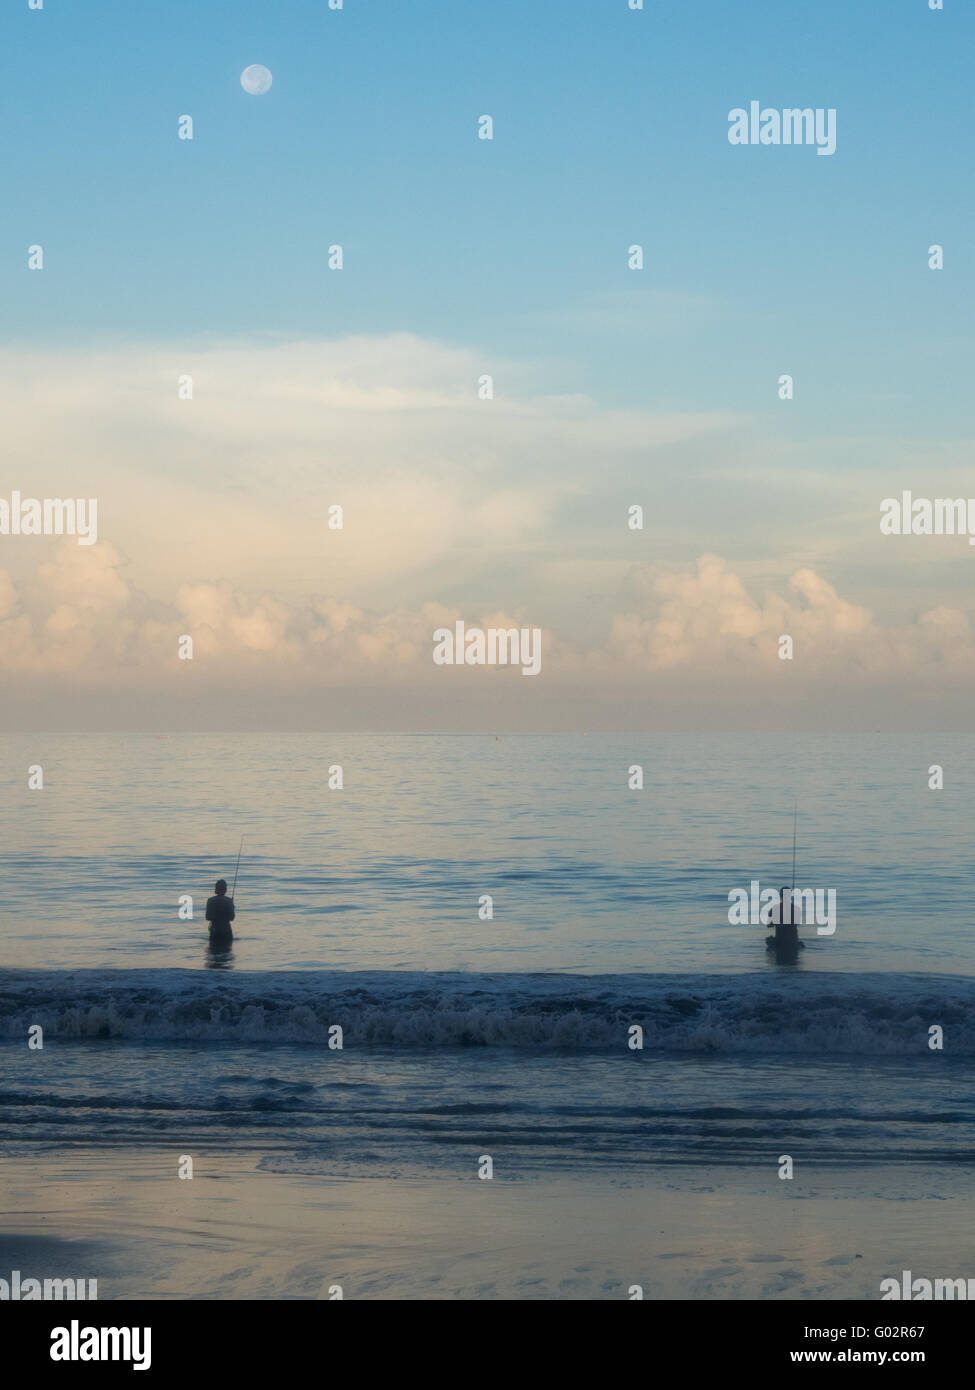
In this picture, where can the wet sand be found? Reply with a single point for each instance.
(236, 1232)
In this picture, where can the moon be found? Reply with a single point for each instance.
(256, 79)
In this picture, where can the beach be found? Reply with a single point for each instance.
(236, 1232)
(380, 1091)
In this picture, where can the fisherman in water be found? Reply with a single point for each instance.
(220, 913)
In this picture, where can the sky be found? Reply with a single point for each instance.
(463, 258)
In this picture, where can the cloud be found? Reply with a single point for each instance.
(706, 621)
(235, 485)
(213, 522)
(79, 616)
(74, 616)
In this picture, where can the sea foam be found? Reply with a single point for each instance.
(804, 1013)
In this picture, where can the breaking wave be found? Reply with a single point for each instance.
(804, 1013)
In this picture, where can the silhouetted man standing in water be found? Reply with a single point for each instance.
(220, 913)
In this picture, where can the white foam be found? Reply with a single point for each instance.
(808, 1012)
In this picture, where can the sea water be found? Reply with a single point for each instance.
(464, 1030)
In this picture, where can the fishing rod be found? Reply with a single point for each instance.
(239, 853)
(795, 823)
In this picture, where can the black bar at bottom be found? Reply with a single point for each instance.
(257, 1338)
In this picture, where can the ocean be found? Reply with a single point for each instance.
(605, 1023)
(586, 876)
